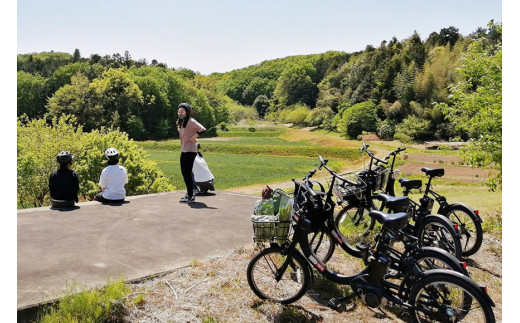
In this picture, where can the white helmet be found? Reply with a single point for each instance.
(111, 153)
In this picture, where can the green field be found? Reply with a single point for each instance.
(232, 170)
(263, 157)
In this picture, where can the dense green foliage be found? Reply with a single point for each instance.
(38, 143)
(477, 103)
(400, 84)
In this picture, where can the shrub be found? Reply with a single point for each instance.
(321, 117)
(404, 139)
(80, 305)
(386, 130)
(38, 144)
(298, 115)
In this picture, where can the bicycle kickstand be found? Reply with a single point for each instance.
(335, 303)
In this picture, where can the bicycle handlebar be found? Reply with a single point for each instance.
(365, 148)
(323, 163)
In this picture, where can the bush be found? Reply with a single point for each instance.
(298, 115)
(404, 139)
(358, 118)
(38, 144)
(414, 127)
(81, 305)
(321, 117)
(386, 130)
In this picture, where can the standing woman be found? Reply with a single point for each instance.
(189, 130)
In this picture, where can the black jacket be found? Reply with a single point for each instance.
(64, 185)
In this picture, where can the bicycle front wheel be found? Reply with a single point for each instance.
(322, 245)
(356, 226)
(263, 269)
(444, 296)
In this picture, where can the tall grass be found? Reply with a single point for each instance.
(81, 305)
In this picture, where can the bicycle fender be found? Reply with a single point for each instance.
(443, 218)
(464, 206)
(443, 272)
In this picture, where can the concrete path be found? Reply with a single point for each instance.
(148, 234)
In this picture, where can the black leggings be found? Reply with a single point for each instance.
(187, 159)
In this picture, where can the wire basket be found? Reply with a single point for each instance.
(271, 231)
(344, 190)
(381, 175)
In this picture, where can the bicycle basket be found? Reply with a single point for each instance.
(307, 204)
(270, 231)
(380, 178)
(344, 190)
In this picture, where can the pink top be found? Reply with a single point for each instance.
(192, 127)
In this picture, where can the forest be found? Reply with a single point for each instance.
(396, 90)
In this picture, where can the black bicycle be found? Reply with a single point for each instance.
(359, 229)
(468, 221)
(283, 273)
(324, 235)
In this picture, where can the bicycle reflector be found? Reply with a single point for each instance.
(484, 289)
(455, 226)
(463, 264)
(476, 212)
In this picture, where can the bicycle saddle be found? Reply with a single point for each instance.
(410, 183)
(433, 171)
(390, 220)
(393, 203)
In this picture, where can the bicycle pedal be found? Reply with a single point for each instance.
(392, 273)
(334, 303)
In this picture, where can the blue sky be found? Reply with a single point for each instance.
(219, 36)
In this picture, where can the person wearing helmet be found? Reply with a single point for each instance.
(64, 182)
(113, 179)
(189, 129)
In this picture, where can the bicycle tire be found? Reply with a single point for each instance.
(449, 297)
(432, 258)
(322, 244)
(469, 226)
(261, 278)
(437, 231)
(356, 227)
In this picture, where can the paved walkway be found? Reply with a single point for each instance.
(148, 234)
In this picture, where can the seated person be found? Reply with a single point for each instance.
(64, 182)
(113, 179)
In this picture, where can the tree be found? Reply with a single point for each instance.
(477, 105)
(30, 94)
(76, 56)
(415, 128)
(296, 85)
(358, 118)
(261, 104)
(76, 99)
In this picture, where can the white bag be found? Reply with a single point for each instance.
(201, 170)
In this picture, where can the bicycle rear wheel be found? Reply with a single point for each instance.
(444, 296)
(469, 226)
(263, 268)
(436, 231)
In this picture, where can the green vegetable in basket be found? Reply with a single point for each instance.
(264, 207)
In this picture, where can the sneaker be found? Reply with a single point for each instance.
(187, 199)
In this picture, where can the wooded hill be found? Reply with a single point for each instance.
(394, 88)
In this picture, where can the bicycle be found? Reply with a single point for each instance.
(358, 228)
(324, 227)
(468, 221)
(283, 273)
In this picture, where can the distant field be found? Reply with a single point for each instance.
(231, 170)
(277, 154)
